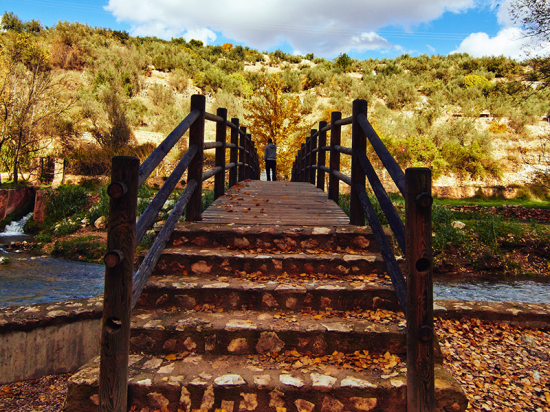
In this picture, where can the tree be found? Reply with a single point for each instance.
(31, 101)
(280, 117)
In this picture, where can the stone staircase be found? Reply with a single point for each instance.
(262, 318)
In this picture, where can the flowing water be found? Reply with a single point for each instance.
(32, 279)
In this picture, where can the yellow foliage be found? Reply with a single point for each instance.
(227, 46)
(280, 117)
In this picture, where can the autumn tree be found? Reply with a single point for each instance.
(277, 116)
(31, 100)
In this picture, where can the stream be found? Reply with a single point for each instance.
(29, 279)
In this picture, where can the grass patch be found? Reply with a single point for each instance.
(85, 248)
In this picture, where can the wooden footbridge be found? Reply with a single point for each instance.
(272, 299)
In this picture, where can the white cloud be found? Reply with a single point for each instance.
(323, 27)
(507, 42)
(430, 48)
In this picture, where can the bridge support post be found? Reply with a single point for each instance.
(321, 156)
(194, 172)
(420, 329)
(221, 137)
(234, 152)
(303, 162)
(312, 156)
(242, 143)
(335, 140)
(248, 157)
(117, 297)
(358, 145)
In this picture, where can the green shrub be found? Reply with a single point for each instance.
(473, 80)
(445, 234)
(66, 227)
(43, 238)
(64, 202)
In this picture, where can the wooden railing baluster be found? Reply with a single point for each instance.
(234, 152)
(312, 155)
(194, 172)
(321, 156)
(335, 140)
(221, 137)
(358, 145)
(242, 143)
(420, 329)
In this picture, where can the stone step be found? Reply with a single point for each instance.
(184, 260)
(289, 382)
(282, 238)
(253, 332)
(264, 292)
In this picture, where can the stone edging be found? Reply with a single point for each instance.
(25, 318)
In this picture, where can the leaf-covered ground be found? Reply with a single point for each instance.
(500, 367)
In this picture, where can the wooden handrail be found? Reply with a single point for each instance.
(414, 238)
(212, 145)
(384, 155)
(146, 268)
(122, 288)
(162, 150)
(149, 215)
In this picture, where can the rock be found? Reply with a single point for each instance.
(458, 225)
(332, 405)
(269, 342)
(261, 381)
(249, 402)
(185, 400)
(157, 401)
(229, 380)
(291, 381)
(322, 382)
(101, 222)
(363, 404)
(269, 300)
(361, 242)
(303, 405)
(201, 268)
(238, 346)
(351, 382)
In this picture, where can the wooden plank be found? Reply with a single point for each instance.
(280, 203)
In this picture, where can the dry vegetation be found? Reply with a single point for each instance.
(469, 118)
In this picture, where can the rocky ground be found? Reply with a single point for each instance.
(500, 367)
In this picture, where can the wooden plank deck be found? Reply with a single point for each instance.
(275, 203)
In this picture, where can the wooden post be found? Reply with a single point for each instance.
(303, 163)
(252, 159)
(117, 297)
(358, 145)
(242, 142)
(234, 153)
(321, 156)
(221, 136)
(194, 172)
(248, 170)
(420, 329)
(335, 139)
(312, 156)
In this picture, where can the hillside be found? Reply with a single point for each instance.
(473, 121)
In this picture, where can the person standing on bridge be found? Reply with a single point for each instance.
(270, 156)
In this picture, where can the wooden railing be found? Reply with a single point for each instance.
(414, 238)
(122, 286)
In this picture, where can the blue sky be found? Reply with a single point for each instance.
(361, 28)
